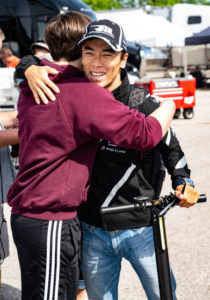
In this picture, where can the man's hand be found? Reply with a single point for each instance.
(189, 197)
(40, 84)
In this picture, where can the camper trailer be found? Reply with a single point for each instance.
(190, 17)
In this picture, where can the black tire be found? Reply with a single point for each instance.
(177, 114)
(188, 113)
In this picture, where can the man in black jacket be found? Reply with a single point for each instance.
(119, 175)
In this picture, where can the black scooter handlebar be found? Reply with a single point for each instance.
(123, 208)
(139, 206)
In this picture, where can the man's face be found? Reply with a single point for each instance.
(101, 64)
(0, 42)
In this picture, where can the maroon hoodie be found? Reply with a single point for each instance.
(58, 143)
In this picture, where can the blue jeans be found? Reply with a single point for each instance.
(102, 253)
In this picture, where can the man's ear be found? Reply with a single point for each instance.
(123, 61)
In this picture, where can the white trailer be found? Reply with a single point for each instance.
(190, 17)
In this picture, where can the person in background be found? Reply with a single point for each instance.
(7, 173)
(8, 58)
(41, 50)
(7, 119)
(58, 143)
(8, 136)
(2, 38)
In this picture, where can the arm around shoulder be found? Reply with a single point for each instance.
(117, 123)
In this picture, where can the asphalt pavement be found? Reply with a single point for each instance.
(188, 230)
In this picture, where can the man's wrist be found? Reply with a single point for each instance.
(26, 62)
(33, 61)
(185, 180)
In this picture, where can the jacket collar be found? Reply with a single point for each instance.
(122, 92)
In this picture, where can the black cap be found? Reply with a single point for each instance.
(107, 31)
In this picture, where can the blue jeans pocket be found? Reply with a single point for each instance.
(86, 227)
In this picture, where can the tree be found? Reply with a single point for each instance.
(163, 2)
(111, 4)
(104, 4)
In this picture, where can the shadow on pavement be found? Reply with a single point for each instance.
(9, 292)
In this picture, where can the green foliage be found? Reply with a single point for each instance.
(203, 2)
(104, 4)
(130, 3)
(112, 4)
(163, 2)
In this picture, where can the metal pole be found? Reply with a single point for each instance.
(162, 259)
(184, 57)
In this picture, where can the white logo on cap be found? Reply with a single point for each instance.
(103, 28)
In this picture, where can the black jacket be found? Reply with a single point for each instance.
(119, 174)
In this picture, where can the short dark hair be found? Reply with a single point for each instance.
(63, 33)
(5, 51)
(123, 52)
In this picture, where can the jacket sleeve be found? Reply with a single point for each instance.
(173, 157)
(169, 148)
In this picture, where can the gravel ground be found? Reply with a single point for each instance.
(188, 231)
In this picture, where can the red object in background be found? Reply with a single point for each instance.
(181, 90)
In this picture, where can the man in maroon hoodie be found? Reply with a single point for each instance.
(57, 149)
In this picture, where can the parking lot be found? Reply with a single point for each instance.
(187, 229)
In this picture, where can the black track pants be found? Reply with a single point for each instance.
(49, 254)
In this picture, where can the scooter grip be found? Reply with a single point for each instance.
(202, 198)
(117, 209)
